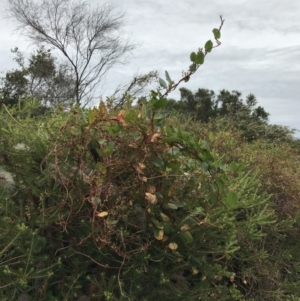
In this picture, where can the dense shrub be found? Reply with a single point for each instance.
(278, 169)
(104, 204)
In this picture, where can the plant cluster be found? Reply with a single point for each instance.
(128, 204)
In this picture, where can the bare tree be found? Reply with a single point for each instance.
(90, 38)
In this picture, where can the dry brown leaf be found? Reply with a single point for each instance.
(165, 238)
(102, 214)
(160, 235)
(151, 188)
(122, 121)
(164, 217)
(204, 221)
(141, 165)
(138, 169)
(121, 114)
(144, 179)
(173, 246)
(185, 227)
(102, 110)
(151, 198)
(232, 277)
(170, 191)
(120, 118)
(155, 136)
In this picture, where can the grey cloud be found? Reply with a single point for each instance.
(260, 48)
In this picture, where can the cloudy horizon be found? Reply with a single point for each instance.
(259, 52)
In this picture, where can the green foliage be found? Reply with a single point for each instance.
(208, 46)
(277, 168)
(163, 83)
(41, 78)
(217, 33)
(193, 56)
(246, 116)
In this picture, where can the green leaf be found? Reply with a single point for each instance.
(159, 117)
(163, 83)
(168, 78)
(233, 166)
(200, 58)
(158, 162)
(216, 33)
(167, 228)
(131, 116)
(101, 141)
(220, 185)
(75, 131)
(204, 166)
(109, 149)
(111, 222)
(174, 165)
(114, 129)
(153, 94)
(183, 134)
(186, 79)
(111, 144)
(193, 56)
(160, 103)
(171, 139)
(208, 46)
(174, 151)
(193, 67)
(203, 143)
(101, 167)
(214, 197)
(169, 130)
(207, 156)
(211, 136)
(158, 233)
(171, 206)
(156, 223)
(232, 200)
(187, 237)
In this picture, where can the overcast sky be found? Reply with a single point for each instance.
(260, 51)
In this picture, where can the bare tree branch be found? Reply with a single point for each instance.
(135, 87)
(89, 38)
